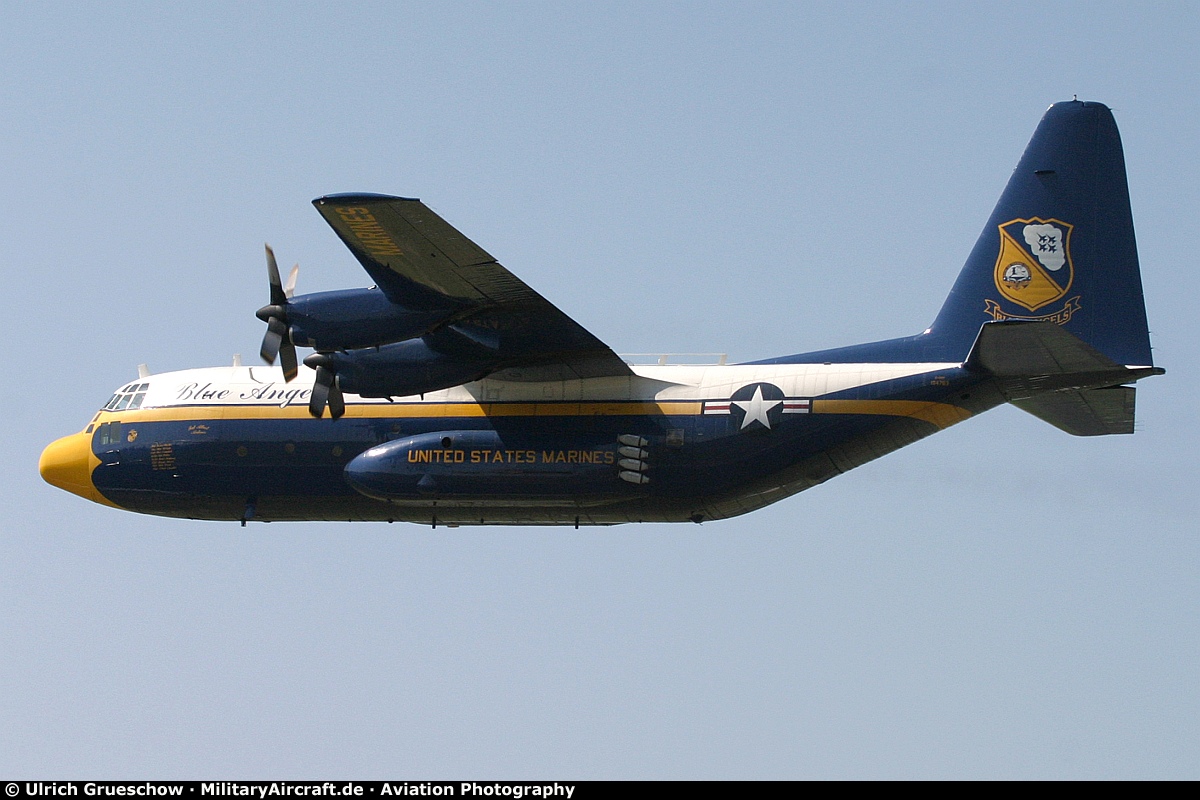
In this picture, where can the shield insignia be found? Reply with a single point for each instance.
(1034, 265)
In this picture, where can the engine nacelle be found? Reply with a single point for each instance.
(481, 464)
(402, 369)
(353, 318)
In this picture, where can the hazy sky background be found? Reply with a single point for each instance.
(1001, 600)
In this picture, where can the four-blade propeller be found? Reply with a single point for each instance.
(277, 341)
(326, 391)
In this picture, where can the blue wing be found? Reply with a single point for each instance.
(421, 262)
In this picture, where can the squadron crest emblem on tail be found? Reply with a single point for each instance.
(1034, 267)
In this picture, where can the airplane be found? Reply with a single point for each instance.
(452, 393)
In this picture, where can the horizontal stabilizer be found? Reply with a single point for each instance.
(1035, 348)
(1049, 372)
(1085, 412)
(1031, 358)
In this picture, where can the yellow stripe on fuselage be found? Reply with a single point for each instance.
(943, 415)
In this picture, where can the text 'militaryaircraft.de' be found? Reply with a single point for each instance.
(451, 392)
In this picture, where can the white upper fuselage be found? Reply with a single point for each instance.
(265, 386)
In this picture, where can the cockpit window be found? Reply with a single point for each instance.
(107, 435)
(127, 397)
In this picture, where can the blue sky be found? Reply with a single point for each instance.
(1000, 600)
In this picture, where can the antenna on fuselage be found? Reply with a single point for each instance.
(143, 371)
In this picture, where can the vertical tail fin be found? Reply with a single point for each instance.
(1059, 245)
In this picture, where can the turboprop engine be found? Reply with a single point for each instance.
(346, 319)
(450, 356)
(398, 370)
(352, 318)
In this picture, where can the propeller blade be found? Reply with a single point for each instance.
(273, 339)
(289, 288)
(287, 360)
(278, 297)
(277, 339)
(337, 403)
(320, 392)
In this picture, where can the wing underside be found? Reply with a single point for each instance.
(421, 262)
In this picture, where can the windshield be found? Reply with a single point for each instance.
(127, 397)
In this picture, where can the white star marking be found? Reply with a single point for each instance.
(756, 408)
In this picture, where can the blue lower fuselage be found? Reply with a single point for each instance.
(593, 461)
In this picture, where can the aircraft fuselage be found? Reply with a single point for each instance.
(670, 443)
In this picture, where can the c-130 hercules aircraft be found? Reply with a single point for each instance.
(450, 392)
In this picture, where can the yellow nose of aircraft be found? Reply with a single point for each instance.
(68, 463)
